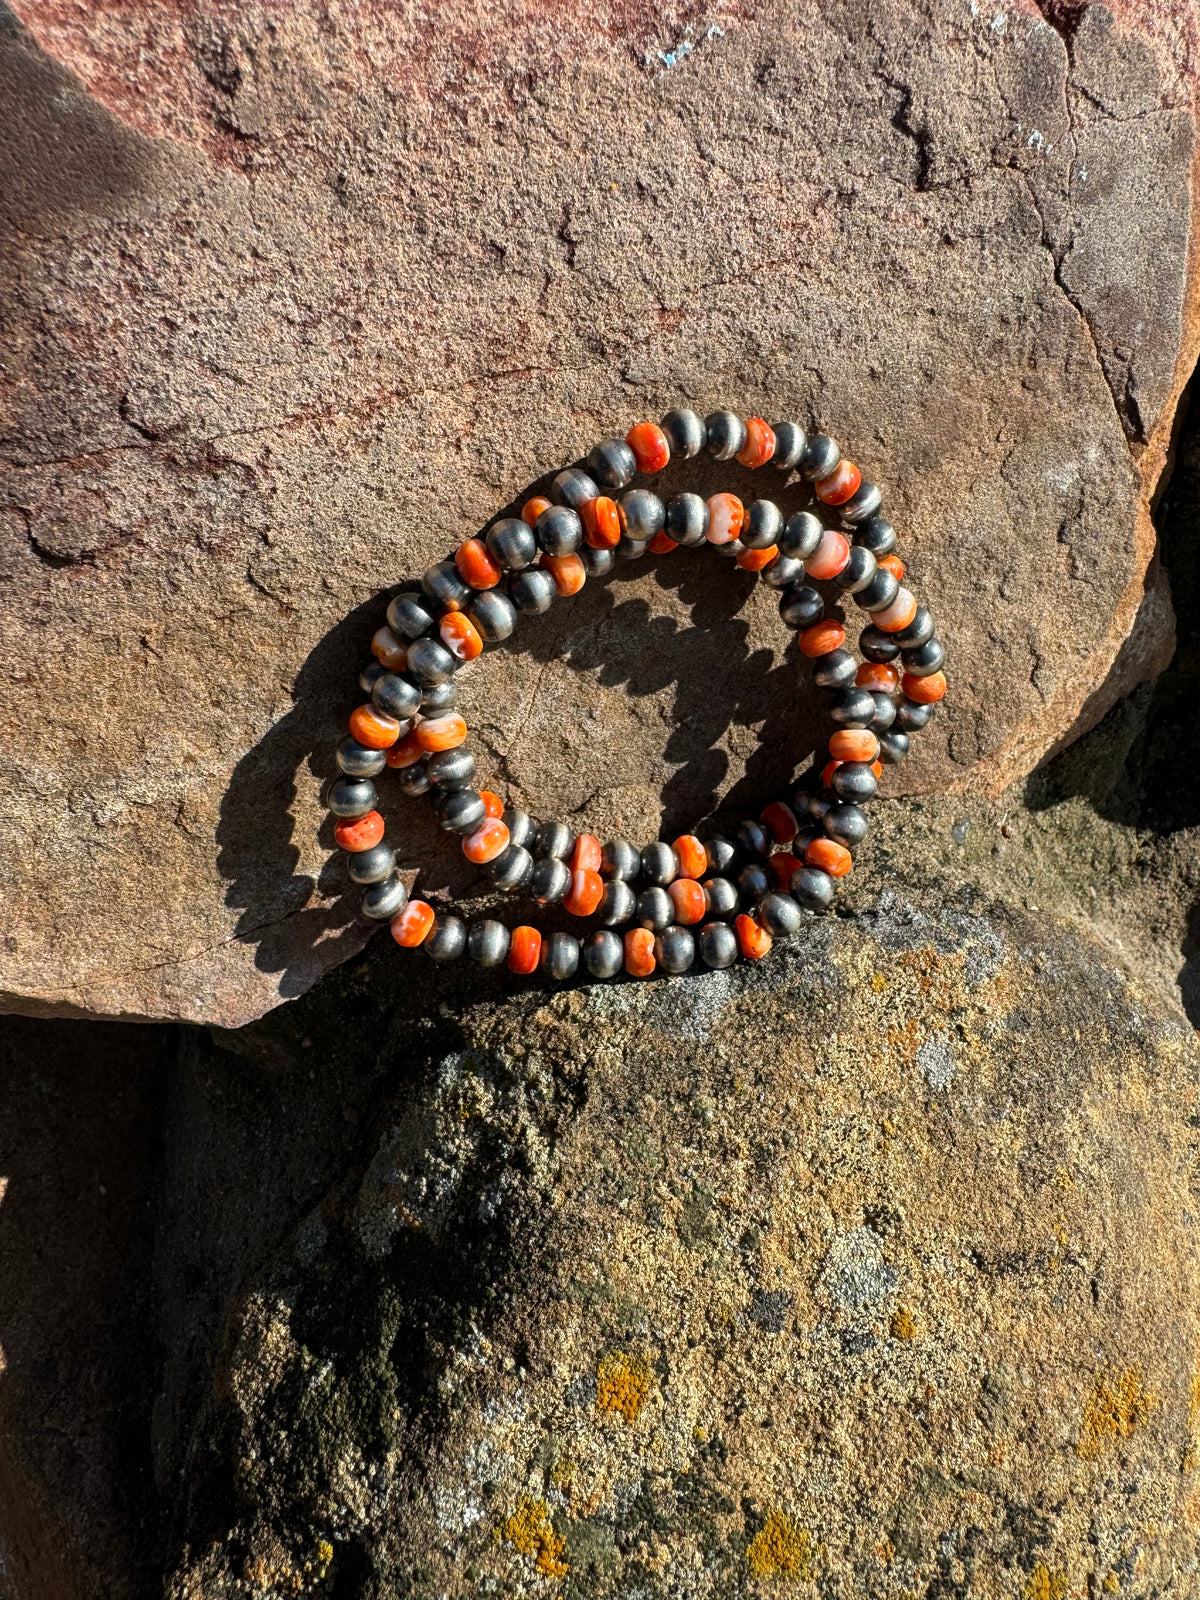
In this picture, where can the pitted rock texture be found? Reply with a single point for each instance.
(297, 300)
(873, 1270)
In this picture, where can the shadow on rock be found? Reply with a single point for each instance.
(1137, 769)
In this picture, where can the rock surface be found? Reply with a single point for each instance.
(296, 300)
(873, 1269)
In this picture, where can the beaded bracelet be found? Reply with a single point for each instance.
(788, 860)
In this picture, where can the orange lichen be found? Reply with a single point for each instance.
(903, 1326)
(780, 1548)
(622, 1384)
(531, 1533)
(1046, 1585)
(1118, 1403)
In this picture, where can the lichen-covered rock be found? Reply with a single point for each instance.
(873, 1271)
(297, 296)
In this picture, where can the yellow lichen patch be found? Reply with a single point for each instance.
(622, 1384)
(878, 982)
(1045, 1584)
(531, 1533)
(780, 1548)
(903, 1324)
(1118, 1403)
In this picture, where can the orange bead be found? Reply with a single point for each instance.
(601, 523)
(756, 560)
(460, 636)
(585, 893)
(830, 556)
(568, 572)
(877, 768)
(822, 638)
(898, 615)
(754, 940)
(894, 565)
(492, 803)
(830, 856)
(524, 950)
(639, 952)
(662, 544)
(649, 445)
(689, 900)
(489, 840)
(880, 676)
(781, 820)
(783, 863)
(446, 732)
(373, 728)
(760, 443)
(726, 514)
(838, 487)
(925, 691)
(359, 833)
(476, 564)
(532, 509)
(406, 752)
(586, 853)
(389, 651)
(693, 858)
(411, 925)
(853, 744)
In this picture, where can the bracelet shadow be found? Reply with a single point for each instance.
(715, 675)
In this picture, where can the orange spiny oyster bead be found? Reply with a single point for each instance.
(585, 893)
(821, 638)
(830, 556)
(827, 772)
(446, 732)
(649, 445)
(406, 752)
(586, 853)
(878, 675)
(924, 691)
(568, 572)
(412, 924)
(601, 523)
(489, 840)
(854, 744)
(783, 863)
(781, 820)
(693, 858)
(756, 560)
(476, 564)
(524, 950)
(830, 856)
(840, 485)
(532, 509)
(753, 940)
(662, 543)
(892, 564)
(898, 615)
(460, 635)
(373, 727)
(639, 952)
(689, 899)
(359, 833)
(760, 443)
(492, 803)
(388, 650)
(726, 514)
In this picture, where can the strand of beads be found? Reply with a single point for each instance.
(778, 866)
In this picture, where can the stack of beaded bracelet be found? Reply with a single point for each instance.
(775, 868)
